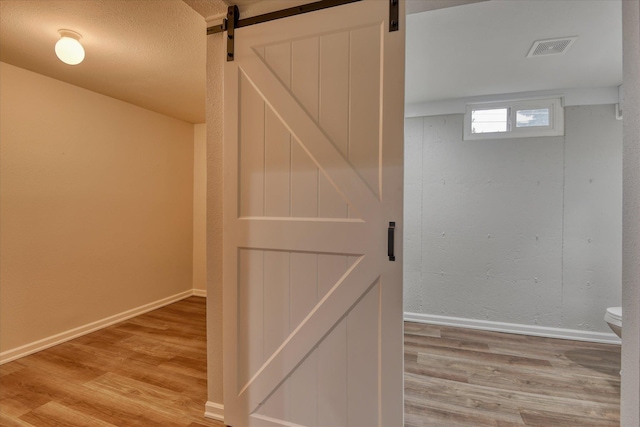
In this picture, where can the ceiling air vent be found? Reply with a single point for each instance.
(550, 47)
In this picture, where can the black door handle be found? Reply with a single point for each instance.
(390, 238)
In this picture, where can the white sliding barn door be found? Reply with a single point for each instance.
(313, 158)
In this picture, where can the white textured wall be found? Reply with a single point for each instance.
(524, 231)
(592, 237)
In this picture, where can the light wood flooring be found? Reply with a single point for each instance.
(460, 377)
(151, 371)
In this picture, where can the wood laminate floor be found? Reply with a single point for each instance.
(150, 371)
(460, 377)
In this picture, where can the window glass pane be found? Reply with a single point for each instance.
(483, 121)
(530, 118)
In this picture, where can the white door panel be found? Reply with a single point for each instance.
(313, 176)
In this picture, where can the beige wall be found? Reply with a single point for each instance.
(215, 55)
(200, 207)
(95, 207)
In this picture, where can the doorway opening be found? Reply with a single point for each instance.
(508, 230)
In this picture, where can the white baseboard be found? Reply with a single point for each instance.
(27, 349)
(514, 328)
(215, 411)
(200, 293)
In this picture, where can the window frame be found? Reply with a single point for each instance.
(555, 127)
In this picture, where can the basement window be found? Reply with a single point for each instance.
(514, 119)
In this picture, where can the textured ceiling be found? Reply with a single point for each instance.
(151, 53)
(481, 49)
(208, 8)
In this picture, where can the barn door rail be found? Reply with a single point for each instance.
(233, 20)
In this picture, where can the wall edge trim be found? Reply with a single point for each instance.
(214, 411)
(572, 97)
(514, 328)
(42, 344)
(200, 293)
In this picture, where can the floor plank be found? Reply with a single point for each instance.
(56, 414)
(458, 377)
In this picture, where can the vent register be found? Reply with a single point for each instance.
(551, 47)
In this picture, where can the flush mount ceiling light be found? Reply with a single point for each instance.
(68, 48)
